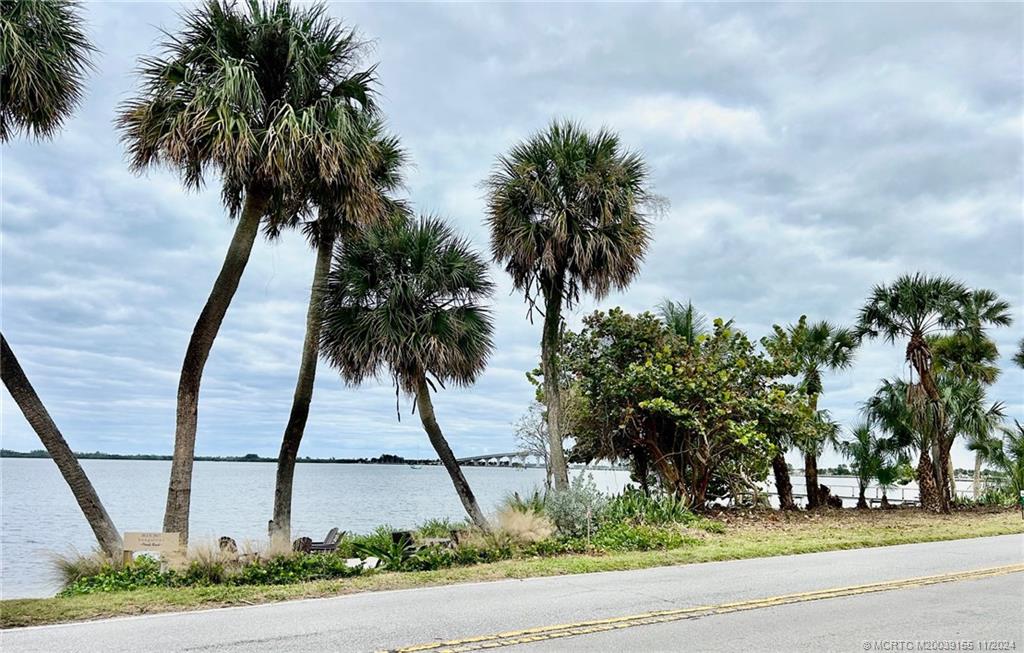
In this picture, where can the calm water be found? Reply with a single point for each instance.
(40, 516)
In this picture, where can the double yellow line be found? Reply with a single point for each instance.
(543, 633)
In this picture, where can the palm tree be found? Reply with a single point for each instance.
(405, 298)
(565, 211)
(915, 307)
(254, 93)
(340, 209)
(813, 349)
(684, 320)
(1018, 358)
(1008, 457)
(39, 419)
(864, 451)
(890, 410)
(45, 56)
(967, 413)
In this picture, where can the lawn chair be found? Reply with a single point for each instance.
(330, 543)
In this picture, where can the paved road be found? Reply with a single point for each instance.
(976, 609)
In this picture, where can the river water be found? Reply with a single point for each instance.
(39, 516)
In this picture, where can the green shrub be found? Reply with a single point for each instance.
(348, 546)
(430, 558)
(143, 572)
(298, 568)
(636, 507)
(994, 496)
(638, 537)
(578, 510)
(280, 570)
(393, 555)
(439, 528)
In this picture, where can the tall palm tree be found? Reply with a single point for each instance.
(917, 306)
(339, 209)
(813, 349)
(566, 215)
(864, 451)
(253, 92)
(405, 298)
(45, 56)
(1018, 358)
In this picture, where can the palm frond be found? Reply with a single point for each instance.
(406, 299)
(44, 58)
(257, 92)
(566, 212)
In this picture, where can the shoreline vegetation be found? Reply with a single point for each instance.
(383, 459)
(743, 534)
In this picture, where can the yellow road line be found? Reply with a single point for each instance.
(511, 638)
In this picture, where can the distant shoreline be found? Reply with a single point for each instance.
(385, 459)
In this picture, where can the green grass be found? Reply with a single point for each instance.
(747, 535)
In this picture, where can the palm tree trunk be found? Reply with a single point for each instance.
(950, 472)
(919, 356)
(39, 419)
(862, 501)
(552, 393)
(280, 526)
(426, 410)
(179, 489)
(976, 490)
(927, 491)
(811, 480)
(783, 485)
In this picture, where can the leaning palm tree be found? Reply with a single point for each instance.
(45, 56)
(915, 307)
(39, 419)
(812, 349)
(405, 298)
(253, 92)
(566, 215)
(337, 208)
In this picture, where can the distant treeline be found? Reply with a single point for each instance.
(383, 459)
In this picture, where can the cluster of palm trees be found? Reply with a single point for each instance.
(276, 101)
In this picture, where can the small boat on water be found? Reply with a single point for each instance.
(415, 466)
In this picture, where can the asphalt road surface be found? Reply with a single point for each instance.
(942, 596)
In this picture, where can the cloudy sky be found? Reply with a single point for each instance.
(808, 152)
